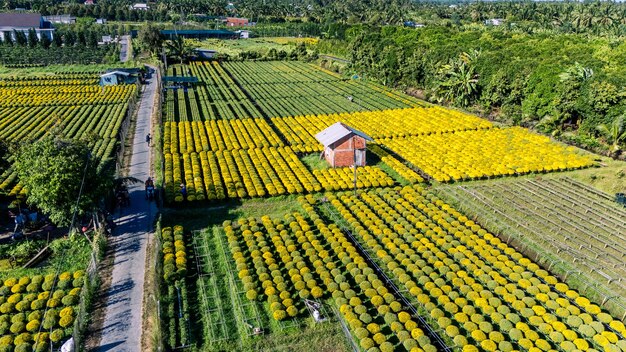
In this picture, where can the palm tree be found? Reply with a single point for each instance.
(179, 48)
(605, 16)
(614, 134)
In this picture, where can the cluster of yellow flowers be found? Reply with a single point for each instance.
(300, 131)
(482, 293)
(32, 105)
(256, 172)
(272, 256)
(343, 178)
(469, 155)
(238, 173)
(38, 310)
(66, 95)
(404, 171)
(213, 135)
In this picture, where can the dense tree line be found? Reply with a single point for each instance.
(68, 45)
(600, 17)
(554, 82)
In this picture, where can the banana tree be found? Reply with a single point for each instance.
(615, 133)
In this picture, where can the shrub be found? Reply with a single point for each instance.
(386, 347)
(365, 318)
(63, 284)
(410, 344)
(366, 343)
(22, 306)
(292, 311)
(56, 335)
(66, 321)
(67, 312)
(78, 282)
(361, 333)
(24, 347)
(279, 315)
(251, 295)
(6, 340)
(42, 346)
(404, 317)
(33, 325)
(70, 300)
(4, 327)
(49, 322)
(17, 327)
(53, 303)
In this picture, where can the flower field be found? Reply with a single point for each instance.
(175, 299)
(404, 270)
(38, 311)
(257, 172)
(285, 89)
(279, 89)
(300, 131)
(282, 262)
(222, 146)
(573, 225)
(214, 135)
(218, 97)
(472, 291)
(467, 155)
(31, 105)
(481, 293)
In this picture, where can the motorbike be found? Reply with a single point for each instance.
(150, 193)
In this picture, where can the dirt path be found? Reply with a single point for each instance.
(120, 298)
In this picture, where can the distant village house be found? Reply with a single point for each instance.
(236, 22)
(23, 22)
(140, 7)
(63, 19)
(494, 22)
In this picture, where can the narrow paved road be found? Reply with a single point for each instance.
(125, 48)
(121, 329)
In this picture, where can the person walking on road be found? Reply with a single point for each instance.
(148, 139)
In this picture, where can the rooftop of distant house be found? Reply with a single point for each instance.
(20, 20)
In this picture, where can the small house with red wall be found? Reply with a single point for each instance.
(343, 145)
(236, 22)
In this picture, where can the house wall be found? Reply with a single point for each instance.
(40, 32)
(342, 152)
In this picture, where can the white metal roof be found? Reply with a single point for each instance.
(115, 73)
(337, 131)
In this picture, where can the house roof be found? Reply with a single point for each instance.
(337, 131)
(20, 20)
(115, 73)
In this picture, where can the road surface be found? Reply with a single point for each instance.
(121, 328)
